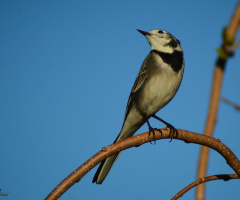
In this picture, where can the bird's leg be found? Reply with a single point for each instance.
(151, 129)
(171, 127)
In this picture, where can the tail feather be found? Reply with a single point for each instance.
(104, 168)
(128, 129)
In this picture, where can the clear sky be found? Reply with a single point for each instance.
(66, 71)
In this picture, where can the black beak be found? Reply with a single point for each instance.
(144, 32)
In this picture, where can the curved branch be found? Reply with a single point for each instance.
(225, 177)
(187, 136)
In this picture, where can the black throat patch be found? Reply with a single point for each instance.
(175, 59)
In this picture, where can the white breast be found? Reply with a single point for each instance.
(159, 90)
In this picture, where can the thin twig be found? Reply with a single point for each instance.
(224, 177)
(234, 105)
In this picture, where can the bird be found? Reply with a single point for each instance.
(156, 84)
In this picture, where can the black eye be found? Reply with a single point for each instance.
(160, 31)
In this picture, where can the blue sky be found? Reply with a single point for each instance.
(66, 71)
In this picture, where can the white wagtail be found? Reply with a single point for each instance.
(156, 84)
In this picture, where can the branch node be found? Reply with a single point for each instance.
(165, 128)
(227, 48)
(200, 180)
(105, 149)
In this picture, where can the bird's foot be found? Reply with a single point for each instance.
(151, 129)
(172, 131)
(171, 127)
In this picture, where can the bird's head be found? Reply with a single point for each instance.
(161, 40)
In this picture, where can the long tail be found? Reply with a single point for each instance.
(104, 168)
(128, 129)
(106, 165)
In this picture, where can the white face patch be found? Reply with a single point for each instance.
(161, 40)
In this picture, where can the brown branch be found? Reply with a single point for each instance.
(224, 177)
(215, 97)
(187, 136)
